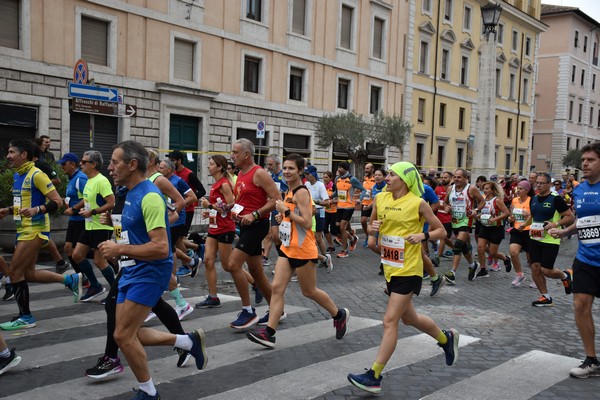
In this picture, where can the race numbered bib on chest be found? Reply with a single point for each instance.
(342, 195)
(536, 231)
(518, 214)
(392, 251)
(116, 222)
(212, 219)
(67, 201)
(125, 261)
(17, 208)
(285, 233)
(235, 210)
(367, 195)
(459, 211)
(588, 229)
(485, 219)
(87, 207)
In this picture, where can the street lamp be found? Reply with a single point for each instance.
(485, 135)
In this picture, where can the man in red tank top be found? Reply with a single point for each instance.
(255, 195)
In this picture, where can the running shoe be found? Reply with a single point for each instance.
(483, 273)
(196, 266)
(20, 322)
(245, 320)
(532, 285)
(258, 296)
(341, 325)
(141, 395)
(184, 357)
(366, 243)
(337, 241)
(184, 311)
(330, 249)
(366, 381)
(262, 337)
(10, 292)
(328, 263)
(448, 254)
(490, 260)
(508, 264)
(75, 286)
(265, 318)
(436, 261)
(436, 286)
(353, 242)
(86, 283)
(198, 350)
(434, 246)
(518, 280)
(190, 253)
(342, 254)
(9, 362)
(543, 301)
(495, 267)
(209, 302)
(104, 368)
(265, 261)
(183, 271)
(450, 277)
(568, 281)
(61, 268)
(150, 316)
(472, 272)
(92, 293)
(426, 276)
(294, 278)
(451, 346)
(586, 369)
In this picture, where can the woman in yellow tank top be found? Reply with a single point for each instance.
(297, 253)
(396, 232)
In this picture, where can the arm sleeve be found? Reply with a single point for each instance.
(357, 185)
(154, 210)
(197, 185)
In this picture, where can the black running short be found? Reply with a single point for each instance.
(94, 238)
(295, 262)
(74, 231)
(251, 237)
(521, 238)
(405, 285)
(493, 234)
(226, 237)
(586, 278)
(543, 253)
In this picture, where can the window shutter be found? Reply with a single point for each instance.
(94, 40)
(183, 60)
(299, 16)
(9, 23)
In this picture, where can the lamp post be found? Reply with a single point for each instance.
(485, 136)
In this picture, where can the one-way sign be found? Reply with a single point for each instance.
(93, 92)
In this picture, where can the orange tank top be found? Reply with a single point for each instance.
(296, 241)
(518, 209)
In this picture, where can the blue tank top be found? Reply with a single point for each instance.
(587, 207)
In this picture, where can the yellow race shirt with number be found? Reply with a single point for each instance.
(400, 218)
(30, 190)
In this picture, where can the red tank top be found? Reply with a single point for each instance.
(224, 224)
(249, 195)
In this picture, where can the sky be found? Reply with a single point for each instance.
(590, 7)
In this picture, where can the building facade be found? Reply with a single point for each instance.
(568, 99)
(201, 73)
(443, 80)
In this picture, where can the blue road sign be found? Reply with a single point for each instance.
(93, 92)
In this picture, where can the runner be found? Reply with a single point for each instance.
(273, 165)
(320, 197)
(586, 265)
(298, 253)
(547, 211)
(330, 229)
(367, 200)
(345, 187)
(31, 189)
(519, 240)
(398, 218)
(442, 189)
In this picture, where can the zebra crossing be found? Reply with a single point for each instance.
(307, 363)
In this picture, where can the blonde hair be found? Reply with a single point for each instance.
(495, 189)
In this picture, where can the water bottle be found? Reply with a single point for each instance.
(221, 206)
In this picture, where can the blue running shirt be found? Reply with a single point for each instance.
(587, 208)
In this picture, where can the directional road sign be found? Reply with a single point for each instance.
(93, 92)
(103, 108)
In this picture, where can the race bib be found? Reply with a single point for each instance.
(125, 261)
(367, 195)
(285, 233)
(441, 209)
(485, 219)
(116, 222)
(518, 214)
(536, 231)
(235, 210)
(459, 211)
(87, 207)
(67, 201)
(17, 208)
(342, 195)
(392, 251)
(588, 229)
(212, 219)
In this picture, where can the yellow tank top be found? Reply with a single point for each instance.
(400, 218)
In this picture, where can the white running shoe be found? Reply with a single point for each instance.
(184, 311)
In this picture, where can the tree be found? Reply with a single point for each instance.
(572, 159)
(350, 132)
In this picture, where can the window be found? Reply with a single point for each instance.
(440, 156)
(591, 116)
(507, 163)
(460, 154)
(514, 43)
(343, 93)
(582, 77)
(378, 32)
(573, 73)
(571, 110)
(599, 120)
(254, 10)
(251, 74)
(424, 57)
(525, 90)
(448, 10)
(521, 164)
(94, 40)
(464, 70)
(467, 18)
(496, 125)
(528, 46)
(445, 70)
(299, 17)
(577, 143)
(580, 113)
(509, 128)
(296, 83)
(346, 27)
(293, 143)
(523, 126)
(421, 111)
(9, 24)
(511, 83)
(375, 102)
(419, 156)
(568, 143)
(593, 81)
(461, 119)
(427, 6)
(183, 61)
(442, 114)
(500, 34)
(498, 82)
(585, 40)
(576, 43)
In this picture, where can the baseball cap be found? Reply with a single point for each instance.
(494, 177)
(68, 157)
(176, 154)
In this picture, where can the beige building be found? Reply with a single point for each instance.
(443, 80)
(568, 98)
(200, 73)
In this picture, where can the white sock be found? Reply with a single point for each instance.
(5, 353)
(248, 308)
(148, 387)
(183, 342)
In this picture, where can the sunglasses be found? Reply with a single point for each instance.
(84, 161)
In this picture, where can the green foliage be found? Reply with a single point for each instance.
(572, 159)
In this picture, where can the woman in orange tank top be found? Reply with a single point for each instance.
(520, 210)
(297, 253)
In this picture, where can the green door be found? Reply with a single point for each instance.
(183, 135)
